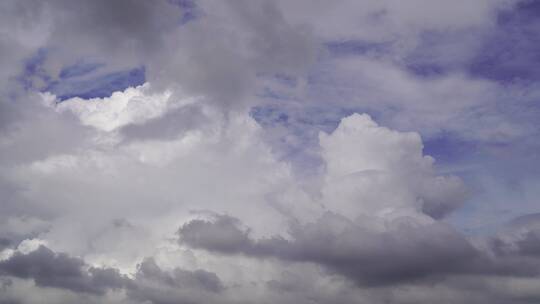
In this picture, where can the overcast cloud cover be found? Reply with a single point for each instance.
(269, 151)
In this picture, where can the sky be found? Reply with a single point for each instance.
(269, 151)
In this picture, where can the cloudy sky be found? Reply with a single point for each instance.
(269, 151)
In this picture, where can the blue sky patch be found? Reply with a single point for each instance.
(98, 86)
(512, 52)
(79, 69)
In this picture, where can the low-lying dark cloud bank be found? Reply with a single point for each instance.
(405, 255)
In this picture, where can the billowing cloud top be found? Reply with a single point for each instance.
(194, 151)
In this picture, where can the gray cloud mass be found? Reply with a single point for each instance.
(405, 253)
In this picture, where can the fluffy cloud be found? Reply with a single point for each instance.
(132, 106)
(372, 209)
(372, 170)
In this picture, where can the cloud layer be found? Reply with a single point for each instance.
(194, 151)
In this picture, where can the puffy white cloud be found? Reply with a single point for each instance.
(133, 106)
(374, 171)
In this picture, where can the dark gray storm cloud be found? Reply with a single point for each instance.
(50, 269)
(153, 284)
(223, 235)
(404, 253)
(150, 283)
(198, 279)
